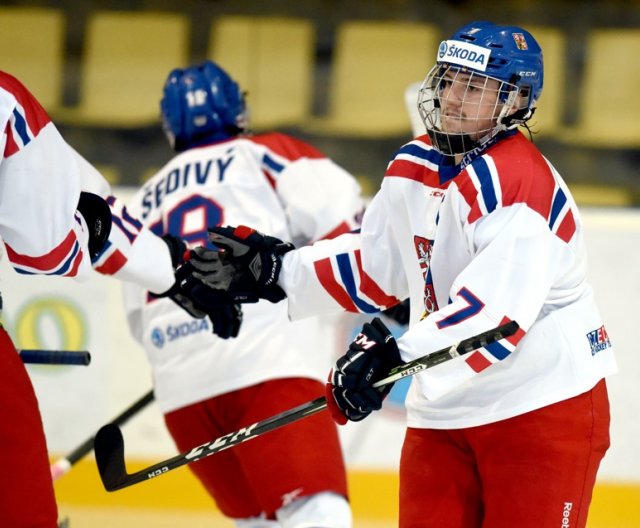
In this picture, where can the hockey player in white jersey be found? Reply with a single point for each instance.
(478, 228)
(208, 386)
(57, 217)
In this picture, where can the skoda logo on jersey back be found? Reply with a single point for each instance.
(464, 54)
(172, 332)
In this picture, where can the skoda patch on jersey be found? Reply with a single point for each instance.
(172, 332)
(464, 54)
(598, 340)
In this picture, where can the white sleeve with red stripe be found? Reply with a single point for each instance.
(133, 253)
(321, 199)
(41, 177)
(40, 188)
(331, 274)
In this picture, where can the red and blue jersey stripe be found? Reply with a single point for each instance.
(282, 150)
(478, 361)
(110, 259)
(419, 161)
(62, 260)
(27, 119)
(344, 279)
(491, 182)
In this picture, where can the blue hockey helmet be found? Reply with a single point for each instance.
(515, 58)
(507, 54)
(201, 104)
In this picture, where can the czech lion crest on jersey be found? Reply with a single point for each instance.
(424, 249)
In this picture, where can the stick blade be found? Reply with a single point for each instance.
(109, 451)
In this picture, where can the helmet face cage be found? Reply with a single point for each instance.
(463, 109)
(483, 71)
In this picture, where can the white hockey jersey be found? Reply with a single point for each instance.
(500, 240)
(277, 185)
(41, 178)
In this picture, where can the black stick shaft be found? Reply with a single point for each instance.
(109, 443)
(63, 465)
(55, 357)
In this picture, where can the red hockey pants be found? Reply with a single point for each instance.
(536, 470)
(26, 490)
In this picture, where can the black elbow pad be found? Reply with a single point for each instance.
(97, 215)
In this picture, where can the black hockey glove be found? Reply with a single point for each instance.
(97, 214)
(400, 313)
(371, 356)
(256, 260)
(226, 320)
(195, 270)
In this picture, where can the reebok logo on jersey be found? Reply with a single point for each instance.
(598, 340)
(464, 54)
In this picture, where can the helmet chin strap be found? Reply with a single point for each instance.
(509, 120)
(519, 117)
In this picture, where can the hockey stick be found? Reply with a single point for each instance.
(55, 357)
(63, 465)
(109, 443)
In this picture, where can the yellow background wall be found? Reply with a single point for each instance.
(373, 495)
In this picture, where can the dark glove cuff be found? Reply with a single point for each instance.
(97, 215)
(273, 293)
(400, 312)
(177, 249)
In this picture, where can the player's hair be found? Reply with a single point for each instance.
(201, 104)
(481, 51)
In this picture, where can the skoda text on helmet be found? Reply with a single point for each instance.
(487, 79)
(201, 104)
